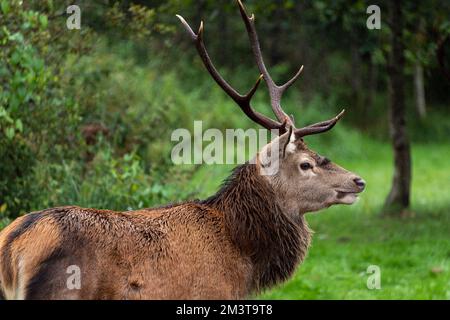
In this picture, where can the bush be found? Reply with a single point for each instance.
(37, 118)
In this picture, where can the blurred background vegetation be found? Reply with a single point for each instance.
(86, 117)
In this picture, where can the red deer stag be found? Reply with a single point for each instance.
(249, 236)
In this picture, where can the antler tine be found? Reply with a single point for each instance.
(285, 86)
(318, 127)
(275, 91)
(242, 100)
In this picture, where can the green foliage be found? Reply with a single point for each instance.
(132, 71)
(48, 97)
(117, 183)
(35, 113)
(139, 25)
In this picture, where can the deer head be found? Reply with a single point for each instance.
(304, 180)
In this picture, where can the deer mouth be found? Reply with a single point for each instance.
(346, 197)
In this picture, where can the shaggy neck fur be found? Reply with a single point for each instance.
(274, 242)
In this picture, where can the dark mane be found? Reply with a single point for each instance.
(273, 241)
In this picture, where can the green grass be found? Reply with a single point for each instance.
(413, 253)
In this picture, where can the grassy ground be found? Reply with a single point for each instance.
(413, 253)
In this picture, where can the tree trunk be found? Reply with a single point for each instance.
(419, 90)
(398, 198)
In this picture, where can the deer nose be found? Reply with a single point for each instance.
(360, 183)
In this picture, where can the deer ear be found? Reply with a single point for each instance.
(267, 161)
(289, 144)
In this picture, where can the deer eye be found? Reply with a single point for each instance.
(305, 165)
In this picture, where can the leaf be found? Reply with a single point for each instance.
(43, 20)
(3, 207)
(19, 125)
(18, 37)
(5, 6)
(10, 133)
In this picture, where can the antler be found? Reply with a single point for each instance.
(284, 122)
(275, 91)
(243, 101)
(318, 127)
